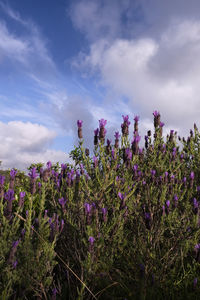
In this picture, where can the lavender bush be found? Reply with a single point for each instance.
(123, 223)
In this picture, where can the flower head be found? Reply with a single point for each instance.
(156, 113)
(79, 123)
(49, 165)
(9, 195)
(96, 131)
(117, 135)
(13, 172)
(33, 173)
(102, 123)
(91, 240)
(2, 179)
(136, 119)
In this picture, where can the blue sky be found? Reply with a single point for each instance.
(64, 60)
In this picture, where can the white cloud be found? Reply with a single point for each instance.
(24, 143)
(154, 74)
(98, 18)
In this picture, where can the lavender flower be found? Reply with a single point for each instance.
(117, 135)
(102, 133)
(95, 160)
(96, 132)
(192, 175)
(156, 115)
(13, 173)
(2, 180)
(32, 174)
(88, 208)
(136, 119)
(79, 124)
(104, 211)
(125, 125)
(62, 202)
(49, 165)
(21, 198)
(91, 240)
(195, 206)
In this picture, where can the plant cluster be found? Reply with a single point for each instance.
(123, 223)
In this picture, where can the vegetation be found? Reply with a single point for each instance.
(122, 224)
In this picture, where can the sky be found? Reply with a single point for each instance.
(68, 60)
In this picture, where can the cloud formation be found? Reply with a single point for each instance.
(24, 143)
(154, 72)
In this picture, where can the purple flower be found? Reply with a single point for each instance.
(153, 172)
(147, 216)
(21, 198)
(9, 195)
(163, 209)
(102, 123)
(136, 119)
(96, 132)
(104, 211)
(166, 174)
(91, 240)
(13, 172)
(33, 173)
(136, 139)
(117, 135)
(156, 113)
(113, 154)
(49, 165)
(108, 142)
(2, 179)
(197, 246)
(63, 167)
(79, 123)
(175, 199)
(126, 120)
(135, 167)
(128, 153)
(62, 202)
(192, 175)
(162, 124)
(121, 196)
(95, 160)
(195, 203)
(88, 208)
(22, 194)
(15, 244)
(168, 203)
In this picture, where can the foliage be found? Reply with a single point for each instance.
(123, 224)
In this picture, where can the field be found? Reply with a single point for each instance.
(123, 223)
